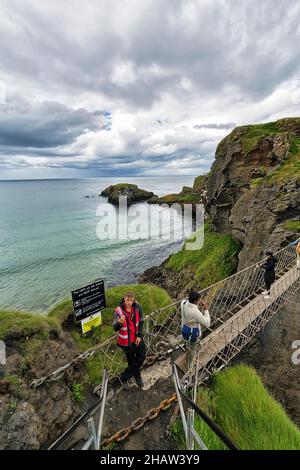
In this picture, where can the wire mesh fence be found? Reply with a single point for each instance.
(226, 299)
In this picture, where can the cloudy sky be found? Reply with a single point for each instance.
(131, 87)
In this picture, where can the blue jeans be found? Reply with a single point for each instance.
(190, 334)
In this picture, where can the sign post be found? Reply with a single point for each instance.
(88, 303)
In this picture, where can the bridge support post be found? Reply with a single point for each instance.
(92, 431)
(190, 426)
(148, 324)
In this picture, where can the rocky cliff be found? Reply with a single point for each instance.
(254, 187)
(188, 195)
(253, 198)
(32, 418)
(133, 193)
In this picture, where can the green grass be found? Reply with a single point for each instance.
(187, 198)
(149, 296)
(255, 182)
(238, 402)
(290, 168)
(78, 392)
(212, 263)
(200, 183)
(124, 185)
(96, 364)
(61, 311)
(16, 383)
(30, 353)
(292, 226)
(254, 133)
(22, 324)
(249, 136)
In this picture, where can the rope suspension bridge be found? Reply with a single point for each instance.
(239, 309)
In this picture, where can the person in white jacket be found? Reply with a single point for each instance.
(296, 243)
(192, 321)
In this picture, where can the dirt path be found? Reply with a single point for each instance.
(122, 407)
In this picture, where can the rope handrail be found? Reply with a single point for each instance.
(163, 325)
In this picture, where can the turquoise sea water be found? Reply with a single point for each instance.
(49, 245)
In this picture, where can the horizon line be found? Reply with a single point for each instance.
(95, 177)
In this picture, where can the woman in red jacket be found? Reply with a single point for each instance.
(128, 321)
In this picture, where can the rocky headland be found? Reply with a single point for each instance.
(252, 198)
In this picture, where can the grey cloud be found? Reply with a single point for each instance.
(237, 52)
(43, 124)
(240, 44)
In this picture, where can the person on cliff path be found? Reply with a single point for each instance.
(128, 321)
(269, 275)
(192, 319)
(297, 244)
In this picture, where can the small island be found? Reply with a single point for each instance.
(132, 191)
(194, 195)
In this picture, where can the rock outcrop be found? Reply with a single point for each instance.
(270, 353)
(188, 195)
(133, 193)
(32, 418)
(253, 195)
(254, 187)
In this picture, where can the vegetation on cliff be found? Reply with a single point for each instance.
(238, 402)
(17, 325)
(289, 169)
(29, 332)
(254, 187)
(216, 260)
(194, 195)
(250, 136)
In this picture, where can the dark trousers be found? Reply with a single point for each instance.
(269, 280)
(135, 356)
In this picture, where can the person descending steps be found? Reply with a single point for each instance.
(128, 321)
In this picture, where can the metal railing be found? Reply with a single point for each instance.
(163, 326)
(191, 435)
(94, 439)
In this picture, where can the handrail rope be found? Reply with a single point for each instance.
(108, 342)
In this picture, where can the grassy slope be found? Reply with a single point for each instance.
(238, 402)
(214, 262)
(289, 169)
(38, 327)
(293, 226)
(249, 136)
(150, 297)
(254, 133)
(22, 324)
